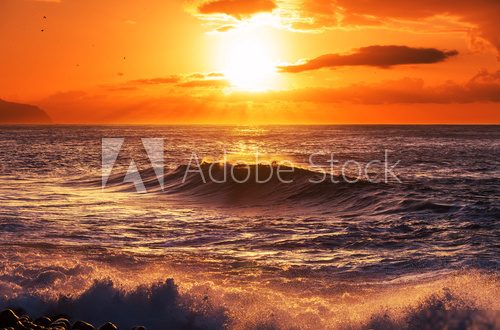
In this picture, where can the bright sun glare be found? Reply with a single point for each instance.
(249, 65)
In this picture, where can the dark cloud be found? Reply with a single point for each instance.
(379, 56)
(237, 8)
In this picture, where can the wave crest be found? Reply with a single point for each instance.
(159, 306)
(253, 184)
(439, 311)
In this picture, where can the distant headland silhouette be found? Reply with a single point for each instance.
(17, 113)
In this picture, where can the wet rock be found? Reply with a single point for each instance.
(43, 321)
(29, 325)
(8, 319)
(61, 323)
(20, 326)
(61, 316)
(58, 327)
(108, 326)
(25, 319)
(80, 325)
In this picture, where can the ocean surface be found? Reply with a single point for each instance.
(419, 250)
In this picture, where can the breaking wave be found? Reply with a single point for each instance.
(456, 303)
(159, 306)
(442, 310)
(262, 185)
(254, 184)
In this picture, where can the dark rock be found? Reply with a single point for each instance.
(61, 316)
(62, 323)
(58, 327)
(108, 326)
(44, 321)
(139, 328)
(16, 113)
(8, 319)
(24, 318)
(21, 326)
(80, 325)
(26, 321)
(30, 325)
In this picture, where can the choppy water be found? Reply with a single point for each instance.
(282, 255)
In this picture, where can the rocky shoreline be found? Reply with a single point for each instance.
(10, 320)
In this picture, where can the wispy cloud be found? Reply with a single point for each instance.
(156, 81)
(210, 83)
(201, 80)
(478, 98)
(481, 14)
(484, 87)
(476, 19)
(237, 8)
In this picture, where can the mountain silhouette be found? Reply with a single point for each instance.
(17, 113)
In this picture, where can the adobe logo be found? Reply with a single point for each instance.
(149, 157)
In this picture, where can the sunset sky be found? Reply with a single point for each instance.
(253, 61)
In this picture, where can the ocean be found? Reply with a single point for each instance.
(376, 227)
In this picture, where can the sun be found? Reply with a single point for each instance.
(247, 58)
(249, 54)
(249, 66)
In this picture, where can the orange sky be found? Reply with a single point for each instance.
(253, 61)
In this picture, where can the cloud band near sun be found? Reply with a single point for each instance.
(237, 8)
(378, 56)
